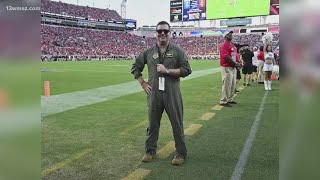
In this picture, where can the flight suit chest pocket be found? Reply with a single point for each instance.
(170, 61)
(153, 60)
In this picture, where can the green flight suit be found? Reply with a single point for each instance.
(170, 99)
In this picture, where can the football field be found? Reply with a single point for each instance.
(94, 125)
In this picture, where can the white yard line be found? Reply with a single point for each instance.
(239, 169)
(76, 70)
(67, 101)
(119, 65)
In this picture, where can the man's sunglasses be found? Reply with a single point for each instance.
(159, 31)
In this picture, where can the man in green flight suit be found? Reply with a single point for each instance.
(166, 64)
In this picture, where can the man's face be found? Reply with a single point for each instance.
(163, 34)
(228, 37)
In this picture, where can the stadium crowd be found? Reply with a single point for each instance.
(57, 40)
(87, 43)
(79, 11)
(80, 41)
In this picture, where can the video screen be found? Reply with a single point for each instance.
(194, 10)
(217, 9)
(175, 10)
(131, 24)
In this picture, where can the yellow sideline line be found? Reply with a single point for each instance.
(61, 164)
(138, 174)
(166, 150)
(192, 129)
(207, 116)
(217, 107)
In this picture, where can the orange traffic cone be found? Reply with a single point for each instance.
(46, 88)
(273, 77)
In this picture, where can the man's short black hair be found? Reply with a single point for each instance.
(162, 23)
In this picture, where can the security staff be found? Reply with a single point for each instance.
(228, 63)
(166, 64)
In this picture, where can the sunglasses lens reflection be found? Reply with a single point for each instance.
(162, 30)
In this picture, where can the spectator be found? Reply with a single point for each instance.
(70, 41)
(260, 65)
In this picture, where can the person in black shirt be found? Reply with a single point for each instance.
(238, 78)
(247, 68)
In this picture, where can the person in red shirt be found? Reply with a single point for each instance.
(260, 65)
(228, 56)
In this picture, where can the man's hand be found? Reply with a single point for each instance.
(146, 87)
(237, 65)
(161, 69)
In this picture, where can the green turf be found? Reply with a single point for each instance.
(215, 149)
(115, 130)
(76, 76)
(262, 163)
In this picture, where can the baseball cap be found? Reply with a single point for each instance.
(227, 32)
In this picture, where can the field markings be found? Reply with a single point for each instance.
(62, 164)
(67, 101)
(239, 169)
(207, 116)
(217, 107)
(118, 65)
(163, 153)
(166, 150)
(192, 129)
(169, 148)
(138, 174)
(77, 70)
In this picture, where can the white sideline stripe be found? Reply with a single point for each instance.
(237, 173)
(78, 70)
(118, 65)
(67, 101)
